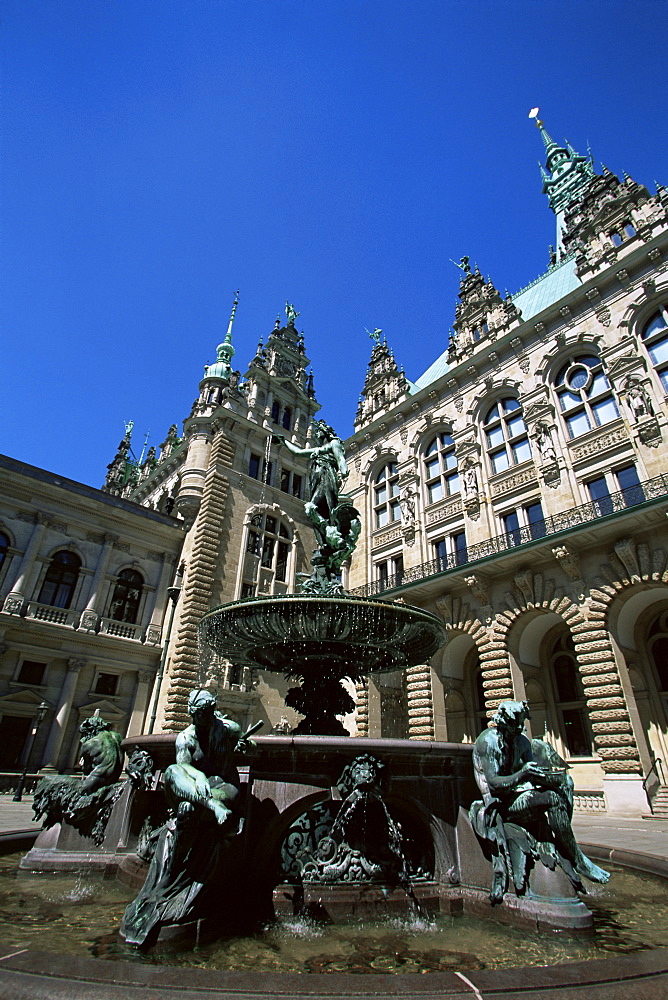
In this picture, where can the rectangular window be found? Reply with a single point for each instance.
(254, 467)
(500, 461)
(535, 520)
(605, 411)
(285, 480)
(521, 451)
(495, 437)
(395, 511)
(248, 590)
(106, 684)
(578, 424)
(575, 732)
(382, 517)
(253, 542)
(31, 672)
(600, 495)
(282, 561)
(435, 491)
(511, 527)
(440, 554)
(267, 552)
(458, 547)
(629, 484)
(296, 485)
(432, 468)
(398, 569)
(452, 483)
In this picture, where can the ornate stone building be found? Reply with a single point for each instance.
(239, 497)
(83, 589)
(518, 489)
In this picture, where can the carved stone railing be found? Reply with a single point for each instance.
(122, 630)
(55, 616)
(614, 504)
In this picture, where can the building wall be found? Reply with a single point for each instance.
(77, 658)
(586, 582)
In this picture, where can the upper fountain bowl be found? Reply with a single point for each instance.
(301, 635)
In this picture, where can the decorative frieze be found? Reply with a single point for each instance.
(513, 482)
(383, 538)
(598, 444)
(443, 512)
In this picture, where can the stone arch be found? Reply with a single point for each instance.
(381, 457)
(561, 348)
(495, 389)
(641, 308)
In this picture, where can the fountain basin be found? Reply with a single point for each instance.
(301, 635)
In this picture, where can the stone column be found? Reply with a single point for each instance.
(420, 703)
(91, 614)
(57, 731)
(140, 703)
(15, 598)
(154, 629)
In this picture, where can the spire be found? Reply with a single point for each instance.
(221, 368)
(565, 175)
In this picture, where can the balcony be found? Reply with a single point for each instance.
(55, 616)
(108, 626)
(598, 510)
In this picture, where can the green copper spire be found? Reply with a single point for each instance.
(565, 176)
(222, 368)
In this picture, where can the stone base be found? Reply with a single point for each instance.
(550, 901)
(625, 796)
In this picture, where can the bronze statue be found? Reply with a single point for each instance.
(335, 519)
(202, 790)
(527, 805)
(85, 804)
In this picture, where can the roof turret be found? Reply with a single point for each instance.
(222, 368)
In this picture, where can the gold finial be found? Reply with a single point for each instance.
(534, 114)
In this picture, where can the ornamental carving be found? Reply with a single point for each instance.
(649, 432)
(513, 482)
(387, 536)
(568, 560)
(442, 513)
(89, 620)
(13, 604)
(604, 317)
(600, 443)
(153, 634)
(479, 587)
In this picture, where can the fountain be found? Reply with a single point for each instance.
(317, 824)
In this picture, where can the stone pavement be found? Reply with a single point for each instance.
(16, 815)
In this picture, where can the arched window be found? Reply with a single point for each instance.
(440, 468)
(287, 418)
(60, 580)
(655, 339)
(506, 435)
(584, 394)
(126, 597)
(571, 705)
(4, 545)
(267, 566)
(386, 495)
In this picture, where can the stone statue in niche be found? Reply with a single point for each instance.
(544, 443)
(337, 523)
(638, 400)
(525, 813)
(85, 804)
(470, 481)
(203, 794)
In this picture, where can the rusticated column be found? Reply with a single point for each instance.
(497, 680)
(362, 700)
(420, 703)
(196, 598)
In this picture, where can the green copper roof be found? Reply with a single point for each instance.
(530, 300)
(548, 288)
(439, 367)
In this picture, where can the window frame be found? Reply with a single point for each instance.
(440, 452)
(387, 478)
(270, 538)
(584, 403)
(500, 438)
(656, 338)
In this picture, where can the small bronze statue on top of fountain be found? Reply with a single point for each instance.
(527, 806)
(336, 521)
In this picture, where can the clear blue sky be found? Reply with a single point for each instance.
(159, 154)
